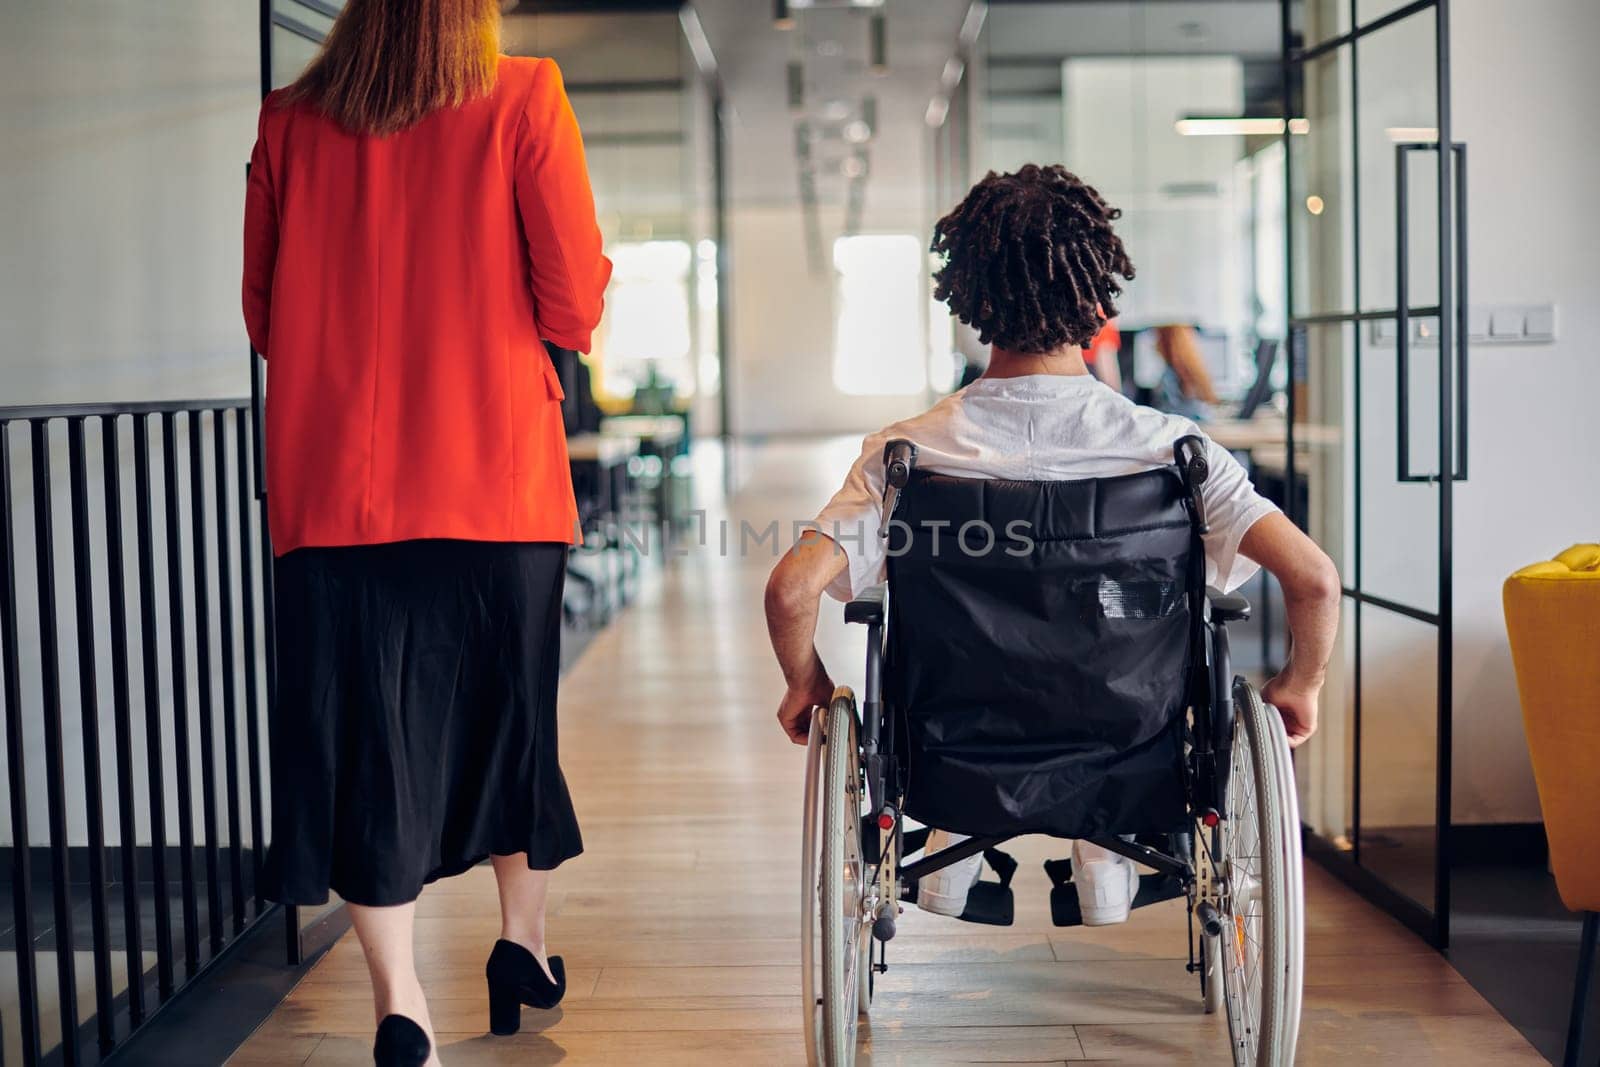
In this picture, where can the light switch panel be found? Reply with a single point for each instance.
(1540, 323)
(1505, 322)
(1487, 324)
(1477, 323)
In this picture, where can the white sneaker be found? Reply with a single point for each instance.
(1107, 883)
(944, 892)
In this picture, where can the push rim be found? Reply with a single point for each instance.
(811, 894)
(1291, 923)
(1244, 930)
(843, 885)
(1261, 890)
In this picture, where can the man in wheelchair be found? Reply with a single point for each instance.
(1047, 545)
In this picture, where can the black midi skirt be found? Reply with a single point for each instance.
(415, 727)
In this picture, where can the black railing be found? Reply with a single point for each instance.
(190, 666)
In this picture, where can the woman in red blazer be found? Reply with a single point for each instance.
(418, 219)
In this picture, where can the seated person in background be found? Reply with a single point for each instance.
(1103, 354)
(1186, 387)
(1032, 263)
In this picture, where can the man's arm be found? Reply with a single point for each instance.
(1311, 593)
(793, 593)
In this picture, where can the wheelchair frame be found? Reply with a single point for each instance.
(1199, 864)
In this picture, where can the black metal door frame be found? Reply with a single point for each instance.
(1434, 923)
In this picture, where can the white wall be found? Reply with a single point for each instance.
(1525, 83)
(126, 129)
(783, 335)
(781, 311)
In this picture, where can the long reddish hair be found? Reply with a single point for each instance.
(388, 63)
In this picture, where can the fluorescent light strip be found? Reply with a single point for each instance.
(1401, 134)
(1239, 127)
(972, 25)
(950, 77)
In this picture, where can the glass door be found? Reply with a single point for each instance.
(1376, 302)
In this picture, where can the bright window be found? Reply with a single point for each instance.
(879, 344)
(647, 336)
(705, 281)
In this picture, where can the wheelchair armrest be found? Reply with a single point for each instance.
(1226, 607)
(868, 607)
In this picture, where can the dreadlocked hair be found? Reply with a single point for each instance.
(1030, 260)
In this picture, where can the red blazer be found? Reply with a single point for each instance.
(399, 288)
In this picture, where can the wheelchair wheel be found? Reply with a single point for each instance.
(1261, 899)
(834, 871)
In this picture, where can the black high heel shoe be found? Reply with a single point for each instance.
(400, 1043)
(515, 978)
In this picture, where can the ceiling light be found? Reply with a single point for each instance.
(1403, 134)
(878, 41)
(1314, 204)
(852, 167)
(1202, 126)
(782, 17)
(699, 46)
(836, 110)
(857, 132)
(938, 108)
(972, 25)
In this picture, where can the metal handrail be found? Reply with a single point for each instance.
(206, 526)
(16, 413)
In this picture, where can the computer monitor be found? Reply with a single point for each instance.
(1261, 388)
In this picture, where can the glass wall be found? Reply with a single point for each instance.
(1300, 218)
(1145, 102)
(1367, 296)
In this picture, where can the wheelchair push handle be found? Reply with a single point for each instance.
(1189, 454)
(899, 459)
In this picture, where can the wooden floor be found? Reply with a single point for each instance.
(678, 924)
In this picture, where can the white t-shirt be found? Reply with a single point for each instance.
(1039, 427)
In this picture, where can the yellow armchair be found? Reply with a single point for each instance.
(1553, 618)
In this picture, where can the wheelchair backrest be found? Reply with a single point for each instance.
(1040, 649)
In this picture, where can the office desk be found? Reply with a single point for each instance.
(660, 437)
(656, 432)
(600, 472)
(605, 450)
(1248, 435)
(1264, 442)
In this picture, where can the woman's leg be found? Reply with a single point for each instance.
(522, 897)
(386, 940)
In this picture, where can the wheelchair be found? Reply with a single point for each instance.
(1078, 684)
